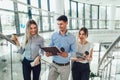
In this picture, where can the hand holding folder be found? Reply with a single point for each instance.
(52, 50)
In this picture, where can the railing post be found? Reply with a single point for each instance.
(110, 70)
(99, 57)
(11, 61)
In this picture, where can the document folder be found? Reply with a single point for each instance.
(53, 50)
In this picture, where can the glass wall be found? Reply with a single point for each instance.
(117, 18)
(91, 16)
(34, 3)
(17, 14)
(52, 6)
(22, 8)
(8, 23)
(80, 14)
(87, 16)
(67, 7)
(23, 18)
(94, 16)
(74, 12)
(102, 17)
(6, 4)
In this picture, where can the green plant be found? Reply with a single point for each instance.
(92, 75)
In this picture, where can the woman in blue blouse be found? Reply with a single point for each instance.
(31, 51)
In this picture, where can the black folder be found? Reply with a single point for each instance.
(53, 50)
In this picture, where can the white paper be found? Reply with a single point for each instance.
(32, 64)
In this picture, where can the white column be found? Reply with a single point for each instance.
(113, 14)
(59, 10)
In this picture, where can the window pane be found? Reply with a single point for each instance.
(6, 4)
(52, 23)
(94, 12)
(45, 21)
(67, 7)
(102, 24)
(7, 21)
(73, 4)
(94, 16)
(44, 4)
(102, 12)
(80, 10)
(23, 20)
(87, 23)
(45, 24)
(23, 1)
(87, 16)
(117, 18)
(74, 23)
(80, 14)
(52, 5)
(80, 24)
(117, 24)
(22, 7)
(94, 24)
(87, 11)
(34, 3)
(35, 11)
(108, 13)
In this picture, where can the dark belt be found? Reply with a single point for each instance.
(65, 64)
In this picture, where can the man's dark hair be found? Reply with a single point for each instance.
(63, 18)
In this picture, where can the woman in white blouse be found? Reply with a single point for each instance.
(81, 67)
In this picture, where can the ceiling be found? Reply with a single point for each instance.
(101, 2)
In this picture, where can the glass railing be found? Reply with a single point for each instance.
(10, 64)
(108, 68)
(11, 67)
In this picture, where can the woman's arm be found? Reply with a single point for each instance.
(91, 54)
(89, 57)
(15, 39)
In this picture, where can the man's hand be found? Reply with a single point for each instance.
(63, 54)
(48, 54)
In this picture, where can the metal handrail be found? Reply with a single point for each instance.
(108, 51)
(45, 61)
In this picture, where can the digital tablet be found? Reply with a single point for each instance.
(53, 50)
